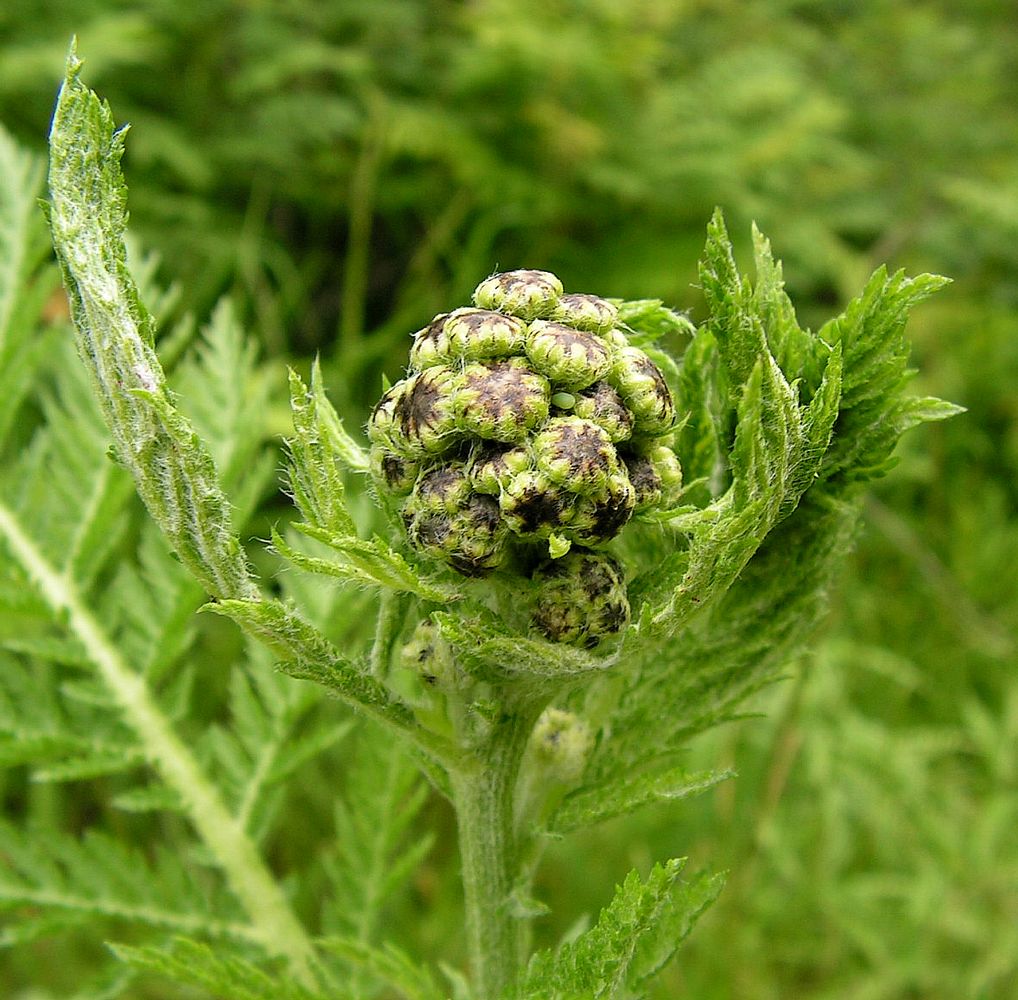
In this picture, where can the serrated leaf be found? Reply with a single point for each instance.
(373, 562)
(223, 974)
(495, 650)
(595, 803)
(389, 965)
(172, 468)
(634, 936)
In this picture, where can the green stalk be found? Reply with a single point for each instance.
(483, 793)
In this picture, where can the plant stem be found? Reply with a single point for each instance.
(483, 794)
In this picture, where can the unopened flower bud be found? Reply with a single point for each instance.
(561, 742)
(644, 390)
(502, 400)
(534, 506)
(571, 359)
(394, 473)
(470, 334)
(429, 655)
(602, 404)
(576, 454)
(527, 294)
(424, 413)
(658, 470)
(599, 519)
(581, 598)
(586, 312)
(448, 521)
(492, 467)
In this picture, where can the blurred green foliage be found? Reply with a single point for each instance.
(345, 167)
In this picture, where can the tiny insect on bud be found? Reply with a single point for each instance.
(645, 392)
(586, 312)
(502, 400)
(581, 598)
(527, 294)
(571, 359)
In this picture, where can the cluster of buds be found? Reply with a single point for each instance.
(529, 417)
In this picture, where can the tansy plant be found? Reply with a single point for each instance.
(604, 528)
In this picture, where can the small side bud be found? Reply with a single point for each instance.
(581, 598)
(393, 473)
(534, 506)
(492, 467)
(570, 359)
(424, 413)
(527, 294)
(599, 519)
(656, 476)
(428, 655)
(561, 744)
(468, 334)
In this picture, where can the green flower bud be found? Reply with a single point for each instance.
(447, 520)
(599, 519)
(430, 346)
(576, 454)
(533, 506)
(602, 404)
(528, 294)
(586, 312)
(492, 467)
(471, 334)
(424, 413)
(382, 426)
(429, 655)
(656, 477)
(501, 400)
(394, 473)
(581, 598)
(644, 390)
(561, 743)
(571, 359)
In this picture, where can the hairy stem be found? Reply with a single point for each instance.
(275, 924)
(483, 794)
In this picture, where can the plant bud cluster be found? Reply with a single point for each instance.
(528, 416)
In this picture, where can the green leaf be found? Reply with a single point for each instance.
(305, 653)
(171, 466)
(223, 974)
(373, 562)
(496, 651)
(592, 804)
(635, 935)
(648, 320)
(389, 965)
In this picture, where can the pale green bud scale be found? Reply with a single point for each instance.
(586, 312)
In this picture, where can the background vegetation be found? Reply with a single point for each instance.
(345, 168)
